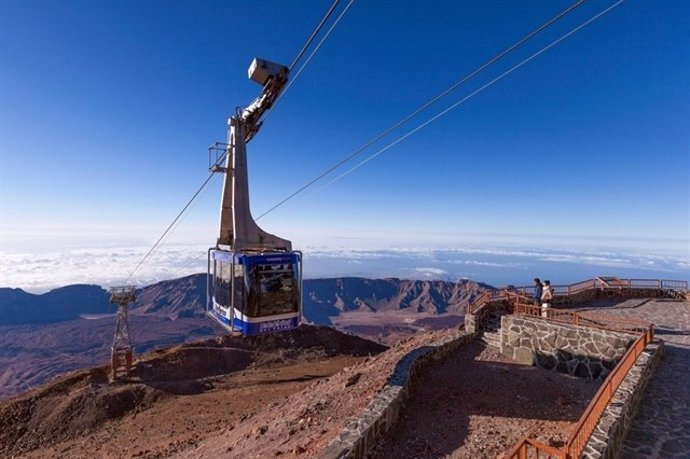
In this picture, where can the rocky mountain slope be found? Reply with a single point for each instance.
(186, 297)
(65, 303)
(176, 396)
(43, 335)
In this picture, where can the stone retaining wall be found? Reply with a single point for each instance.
(579, 351)
(360, 435)
(607, 439)
(475, 322)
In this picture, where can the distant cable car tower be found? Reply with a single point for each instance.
(254, 278)
(121, 351)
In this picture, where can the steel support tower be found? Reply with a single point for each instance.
(121, 351)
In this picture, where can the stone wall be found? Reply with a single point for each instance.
(360, 435)
(475, 322)
(607, 439)
(578, 351)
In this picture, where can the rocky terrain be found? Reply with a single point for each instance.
(42, 336)
(479, 403)
(288, 395)
(179, 396)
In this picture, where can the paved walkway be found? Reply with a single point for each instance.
(661, 428)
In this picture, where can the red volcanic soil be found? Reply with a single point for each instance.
(478, 403)
(289, 395)
(32, 354)
(176, 397)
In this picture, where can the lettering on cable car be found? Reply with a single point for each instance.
(275, 325)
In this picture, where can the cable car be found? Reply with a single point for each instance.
(256, 293)
(254, 278)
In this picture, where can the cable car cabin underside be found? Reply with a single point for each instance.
(255, 293)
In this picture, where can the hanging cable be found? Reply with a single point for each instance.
(184, 214)
(407, 118)
(472, 94)
(313, 35)
(299, 71)
(180, 215)
(167, 230)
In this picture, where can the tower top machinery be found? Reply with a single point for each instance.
(254, 277)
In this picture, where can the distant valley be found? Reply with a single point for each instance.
(42, 336)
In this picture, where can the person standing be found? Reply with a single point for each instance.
(546, 298)
(538, 287)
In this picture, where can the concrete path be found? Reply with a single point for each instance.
(661, 428)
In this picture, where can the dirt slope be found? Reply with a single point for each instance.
(176, 397)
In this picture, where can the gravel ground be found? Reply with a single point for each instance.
(478, 403)
(302, 424)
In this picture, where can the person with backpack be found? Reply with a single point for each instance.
(546, 298)
(538, 287)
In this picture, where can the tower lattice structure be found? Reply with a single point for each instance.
(121, 351)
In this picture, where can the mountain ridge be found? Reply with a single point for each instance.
(185, 297)
(42, 336)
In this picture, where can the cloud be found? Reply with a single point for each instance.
(43, 270)
(431, 272)
(106, 267)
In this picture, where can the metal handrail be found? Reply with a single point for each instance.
(567, 290)
(586, 319)
(522, 448)
(517, 297)
(674, 284)
(589, 419)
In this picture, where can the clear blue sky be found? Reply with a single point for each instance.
(106, 110)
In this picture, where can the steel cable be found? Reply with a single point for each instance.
(179, 216)
(426, 105)
(472, 94)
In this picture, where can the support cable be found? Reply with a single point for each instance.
(169, 228)
(180, 215)
(181, 219)
(469, 96)
(318, 45)
(424, 106)
(313, 35)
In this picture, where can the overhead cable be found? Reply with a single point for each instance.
(180, 215)
(194, 201)
(318, 45)
(472, 94)
(424, 106)
(314, 34)
(170, 227)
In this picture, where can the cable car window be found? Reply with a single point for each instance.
(222, 284)
(273, 289)
(239, 286)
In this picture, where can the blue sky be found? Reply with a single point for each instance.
(106, 110)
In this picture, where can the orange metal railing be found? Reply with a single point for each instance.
(528, 448)
(588, 422)
(577, 441)
(598, 283)
(586, 319)
(519, 299)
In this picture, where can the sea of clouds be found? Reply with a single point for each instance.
(497, 265)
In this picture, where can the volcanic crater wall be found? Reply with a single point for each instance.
(579, 351)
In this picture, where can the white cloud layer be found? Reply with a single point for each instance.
(43, 270)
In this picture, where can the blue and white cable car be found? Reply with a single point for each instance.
(254, 278)
(256, 293)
